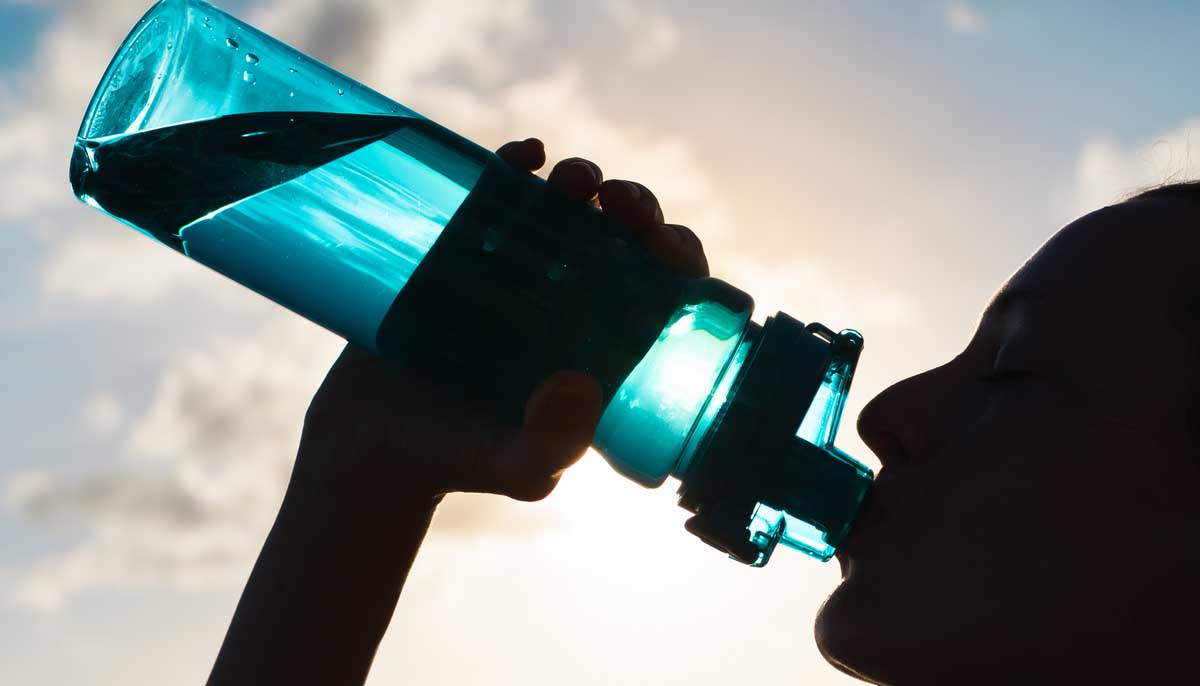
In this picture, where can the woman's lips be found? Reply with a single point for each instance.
(870, 515)
(871, 512)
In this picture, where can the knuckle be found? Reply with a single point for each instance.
(690, 238)
(508, 150)
(577, 170)
(644, 194)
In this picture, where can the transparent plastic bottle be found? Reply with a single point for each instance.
(410, 240)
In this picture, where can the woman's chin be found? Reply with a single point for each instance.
(844, 628)
(832, 623)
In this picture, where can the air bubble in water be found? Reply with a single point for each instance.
(293, 70)
(341, 92)
(231, 43)
(170, 45)
(248, 77)
(251, 58)
(291, 94)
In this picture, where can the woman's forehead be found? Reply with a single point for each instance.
(1138, 256)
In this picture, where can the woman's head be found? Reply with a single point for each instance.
(1038, 510)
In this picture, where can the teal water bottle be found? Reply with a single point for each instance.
(411, 241)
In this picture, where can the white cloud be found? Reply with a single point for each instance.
(653, 33)
(962, 18)
(812, 294)
(32, 178)
(111, 263)
(212, 454)
(391, 46)
(559, 108)
(103, 413)
(1107, 171)
(36, 137)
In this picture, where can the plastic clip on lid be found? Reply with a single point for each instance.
(770, 472)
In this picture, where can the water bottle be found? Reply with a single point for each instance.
(415, 243)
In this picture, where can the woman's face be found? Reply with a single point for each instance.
(1037, 516)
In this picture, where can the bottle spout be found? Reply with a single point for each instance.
(770, 473)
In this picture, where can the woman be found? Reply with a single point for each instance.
(1005, 541)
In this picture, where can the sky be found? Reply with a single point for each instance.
(883, 166)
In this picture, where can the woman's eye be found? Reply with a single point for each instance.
(1005, 375)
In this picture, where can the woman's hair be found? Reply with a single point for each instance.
(1188, 191)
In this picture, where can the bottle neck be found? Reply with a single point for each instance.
(662, 403)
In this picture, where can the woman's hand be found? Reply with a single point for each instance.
(380, 447)
(374, 430)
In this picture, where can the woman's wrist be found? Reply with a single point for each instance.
(347, 481)
(326, 582)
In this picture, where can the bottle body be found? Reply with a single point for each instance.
(404, 237)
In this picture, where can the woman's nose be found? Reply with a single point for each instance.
(897, 424)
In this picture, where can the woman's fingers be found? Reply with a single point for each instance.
(529, 154)
(577, 178)
(628, 202)
(634, 205)
(678, 247)
(631, 203)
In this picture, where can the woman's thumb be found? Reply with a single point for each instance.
(560, 421)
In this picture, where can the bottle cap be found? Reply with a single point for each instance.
(768, 471)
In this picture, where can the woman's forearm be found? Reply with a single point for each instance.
(324, 587)
(327, 580)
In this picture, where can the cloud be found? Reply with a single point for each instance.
(962, 18)
(653, 33)
(206, 467)
(103, 413)
(32, 178)
(390, 46)
(38, 127)
(1107, 171)
(810, 293)
(109, 263)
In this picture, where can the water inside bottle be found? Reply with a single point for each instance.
(330, 214)
(303, 207)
